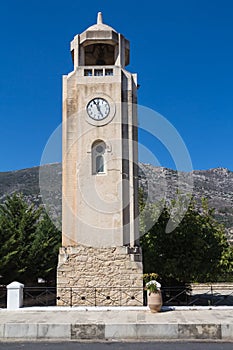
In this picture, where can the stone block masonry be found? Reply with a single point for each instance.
(89, 276)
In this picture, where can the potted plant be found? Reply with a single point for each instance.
(154, 296)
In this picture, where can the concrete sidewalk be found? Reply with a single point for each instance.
(116, 323)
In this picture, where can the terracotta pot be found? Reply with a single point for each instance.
(154, 301)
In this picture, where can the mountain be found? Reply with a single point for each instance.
(44, 184)
(214, 184)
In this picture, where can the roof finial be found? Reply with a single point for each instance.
(99, 18)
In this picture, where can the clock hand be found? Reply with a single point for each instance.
(98, 107)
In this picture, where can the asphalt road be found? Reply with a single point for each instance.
(116, 346)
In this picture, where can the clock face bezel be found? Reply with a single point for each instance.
(95, 108)
(112, 109)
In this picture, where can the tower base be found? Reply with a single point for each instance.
(89, 276)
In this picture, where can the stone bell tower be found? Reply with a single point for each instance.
(100, 261)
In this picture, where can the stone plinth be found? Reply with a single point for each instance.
(99, 276)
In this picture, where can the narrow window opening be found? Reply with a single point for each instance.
(98, 72)
(99, 164)
(108, 71)
(98, 157)
(88, 72)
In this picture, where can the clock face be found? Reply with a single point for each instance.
(98, 108)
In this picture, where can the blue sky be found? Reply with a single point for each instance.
(181, 50)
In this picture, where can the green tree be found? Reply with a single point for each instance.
(28, 242)
(18, 222)
(45, 248)
(195, 251)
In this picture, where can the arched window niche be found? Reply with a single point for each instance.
(98, 150)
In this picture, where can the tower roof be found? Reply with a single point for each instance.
(100, 25)
(100, 40)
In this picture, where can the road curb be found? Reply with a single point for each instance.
(119, 323)
(134, 331)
